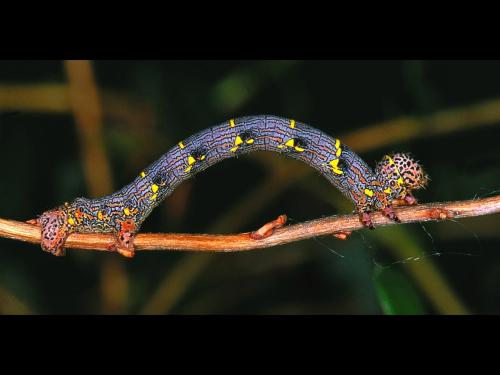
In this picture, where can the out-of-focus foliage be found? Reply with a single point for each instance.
(448, 267)
(397, 295)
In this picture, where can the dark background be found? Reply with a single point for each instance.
(148, 106)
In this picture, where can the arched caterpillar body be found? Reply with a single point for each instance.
(124, 211)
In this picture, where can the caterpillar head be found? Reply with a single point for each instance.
(55, 230)
(402, 173)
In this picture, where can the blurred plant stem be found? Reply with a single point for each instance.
(10, 304)
(85, 103)
(45, 97)
(175, 283)
(114, 286)
(53, 98)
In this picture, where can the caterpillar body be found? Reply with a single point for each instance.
(123, 212)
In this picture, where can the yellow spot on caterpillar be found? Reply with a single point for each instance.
(369, 192)
(202, 157)
(337, 143)
(153, 197)
(400, 181)
(143, 174)
(292, 124)
(281, 146)
(231, 123)
(388, 191)
(391, 162)
(249, 141)
(335, 166)
(188, 168)
(299, 149)
(290, 143)
(191, 160)
(339, 151)
(100, 215)
(126, 211)
(181, 145)
(154, 188)
(71, 221)
(238, 141)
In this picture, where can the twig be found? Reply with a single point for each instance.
(243, 241)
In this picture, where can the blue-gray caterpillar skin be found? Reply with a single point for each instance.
(341, 166)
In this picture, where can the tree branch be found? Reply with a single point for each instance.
(245, 241)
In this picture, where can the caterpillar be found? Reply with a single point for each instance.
(123, 212)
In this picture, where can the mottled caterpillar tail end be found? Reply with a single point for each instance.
(55, 230)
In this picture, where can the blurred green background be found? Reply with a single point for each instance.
(80, 128)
